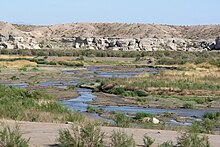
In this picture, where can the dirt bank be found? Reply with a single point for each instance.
(45, 134)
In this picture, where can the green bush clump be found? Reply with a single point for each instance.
(187, 106)
(20, 104)
(214, 115)
(142, 100)
(34, 69)
(127, 93)
(121, 120)
(121, 139)
(209, 125)
(90, 109)
(192, 140)
(69, 63)
(14, 78)
(12, 137)
(141, 115)
(148, 141)
(167, 144)
(117, 90)
(23, 69)
(89, 135)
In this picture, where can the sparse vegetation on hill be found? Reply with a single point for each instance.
(123, 30)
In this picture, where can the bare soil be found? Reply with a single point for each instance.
(45, 134)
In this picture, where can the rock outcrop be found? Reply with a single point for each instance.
(110, 36)
(12, 38)
(209, 45)
(216, 45)
(18, 42)
(138, 44)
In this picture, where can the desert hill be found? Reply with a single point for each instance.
(115, 36)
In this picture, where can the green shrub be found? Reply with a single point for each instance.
(192, 140)
(127, 93)
(148, 141)
(90, 109)
(187, 106)
(74, 116)
(23, 69)
(208, 125)
(141, 115)
(69, 63)
(142, 100)
(71, 87)
(121, 139)
(200, 100)
(34, 69)
(20, 104)
(66, 140)
(195, 128)
(117, 90)
(214, 115)
(112, 112)
(167, 144)
(88, 135)
(121, 120)
(141, 93)
(12, 137)
(14, 78)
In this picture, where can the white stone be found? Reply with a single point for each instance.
(155, 120)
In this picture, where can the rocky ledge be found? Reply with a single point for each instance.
(143, 44)
(105, 43)
(110, 36)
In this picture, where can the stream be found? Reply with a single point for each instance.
(86, 95)
(79, 104)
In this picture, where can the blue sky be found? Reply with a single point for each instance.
(47, 12)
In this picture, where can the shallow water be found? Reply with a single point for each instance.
(87, 96)
(57, 83)
(79, 104)
(114, 74)
(20, 85)
(68, 72)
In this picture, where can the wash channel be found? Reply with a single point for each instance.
(86, 95)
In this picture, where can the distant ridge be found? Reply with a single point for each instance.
(115, 36)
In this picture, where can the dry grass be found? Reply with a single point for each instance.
(201, 82)
(17, 64)
(199, 73)
(144, 75)
(14, 57)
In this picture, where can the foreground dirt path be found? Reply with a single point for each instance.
(45, 134)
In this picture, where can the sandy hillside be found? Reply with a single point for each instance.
(113, 30)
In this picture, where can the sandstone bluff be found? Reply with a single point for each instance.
(110, 36)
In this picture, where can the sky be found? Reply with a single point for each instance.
(173, 12)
